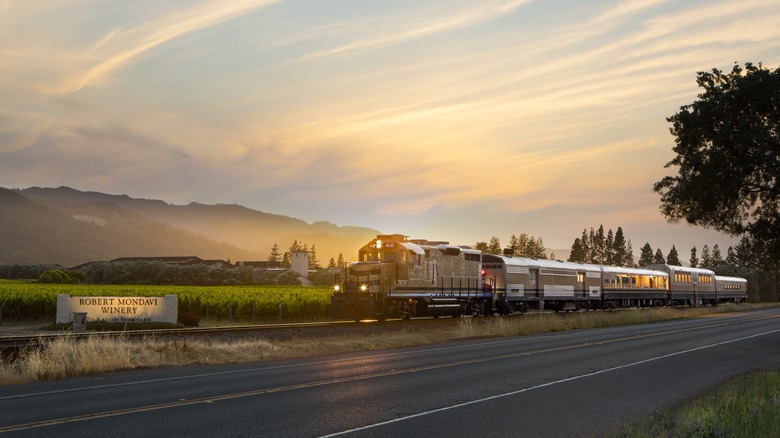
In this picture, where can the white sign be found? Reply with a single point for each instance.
(118, 309)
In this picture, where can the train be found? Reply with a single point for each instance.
(398, 277)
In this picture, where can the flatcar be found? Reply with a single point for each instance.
(398, 277)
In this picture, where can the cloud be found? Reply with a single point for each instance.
(121, 46)
(386, 34)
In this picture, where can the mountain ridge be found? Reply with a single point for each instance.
(120, 226)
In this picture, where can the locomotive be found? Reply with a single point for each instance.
(396, 277)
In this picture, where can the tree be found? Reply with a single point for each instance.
(599, 246)
(536, 248)
(743, 253)
(646, 255)
(313, 262)
(694, 261)
(577, 254)
(494, 247)
(673, 258)
(275, 255)
(728, 156)
(658, 259)
(706, 261)
(514, 247)
(731, 257)
(340, 263)
(586, 246)
(619, 249)
(295, 246)
(628, 260)
(716, 259)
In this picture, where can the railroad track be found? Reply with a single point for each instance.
(9, 345)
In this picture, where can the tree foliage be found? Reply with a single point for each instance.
(646, 255)
(673, 258)
(728, 156)
(602, 248)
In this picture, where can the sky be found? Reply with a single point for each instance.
(441, 119)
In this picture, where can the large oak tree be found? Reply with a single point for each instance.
(728, 156)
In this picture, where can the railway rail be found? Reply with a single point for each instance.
(10, 346)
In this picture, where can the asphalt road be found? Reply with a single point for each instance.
(560, 384)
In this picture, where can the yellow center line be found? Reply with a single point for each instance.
(212, 399)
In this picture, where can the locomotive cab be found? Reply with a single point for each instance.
(361, 290)
(396, 277)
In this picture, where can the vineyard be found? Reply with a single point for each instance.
(21, 300)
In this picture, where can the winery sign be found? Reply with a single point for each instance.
(118, 309)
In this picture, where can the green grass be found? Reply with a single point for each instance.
(748, 407)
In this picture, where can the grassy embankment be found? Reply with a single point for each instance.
(63, 359)
(746, 407)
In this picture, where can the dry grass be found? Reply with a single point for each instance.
(64, 357)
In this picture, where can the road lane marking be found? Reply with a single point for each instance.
(211, 399)
(543, 385)
(346, 360)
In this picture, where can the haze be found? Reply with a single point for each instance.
(447, 120)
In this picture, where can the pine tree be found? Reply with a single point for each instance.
(716, 259)
(481, 246)
(295, 246)
(731, 258)
(526, 245)
(586, 246)
(694, 261)
(313, 262)
(331, 263)
(628, 260)
(706, 262)
(275, 256)
(340, 263)
(646, 256)
(513, 247)
(658, 259)
(609, 249)
(600, 245)
(494, 247)
(619, 249)
(743, 253)
(538, 249)
(577, 254)
(673, 258)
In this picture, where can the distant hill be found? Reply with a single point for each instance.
(67, 226)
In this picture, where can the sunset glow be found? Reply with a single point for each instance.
(454, 120)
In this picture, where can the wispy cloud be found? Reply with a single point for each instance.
(121, 46)
(398, 31)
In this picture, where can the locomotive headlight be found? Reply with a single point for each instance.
(337, 288)
(363, 287)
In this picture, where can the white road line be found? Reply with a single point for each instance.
(520, 391)
(268, 368)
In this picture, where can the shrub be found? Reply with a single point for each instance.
(188, 319)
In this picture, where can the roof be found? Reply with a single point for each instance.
(413, 247)
(544, 263)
